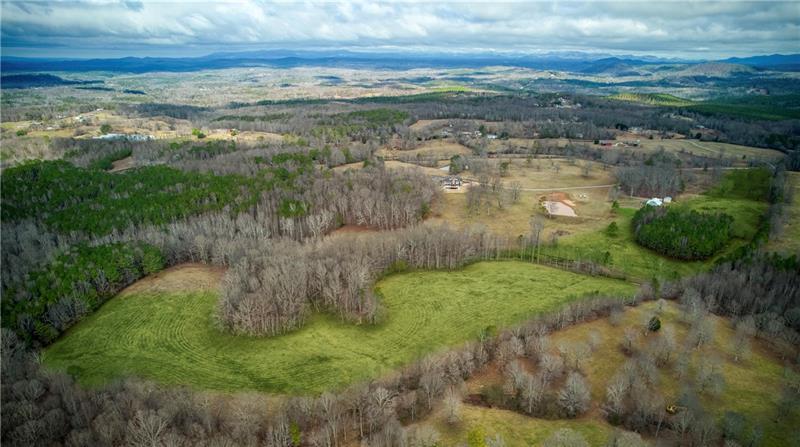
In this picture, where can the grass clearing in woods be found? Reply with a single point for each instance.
(637, 262)
(752, 386)
(172, 338)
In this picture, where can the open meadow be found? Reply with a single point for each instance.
(171, 336)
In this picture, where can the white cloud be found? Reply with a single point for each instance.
(669, 28)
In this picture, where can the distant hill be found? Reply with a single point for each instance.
(574, 62)
(571, 62)
(781, 62)
(614, 66)
(38, 80)
(715, 70)
(760, 107)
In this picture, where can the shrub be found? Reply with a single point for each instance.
(105, 128)
(654, 325)
(476, 438)
(681, 233)
(612, 230)
(22, 133)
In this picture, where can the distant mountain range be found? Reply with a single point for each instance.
(39, 80)
(571, 62)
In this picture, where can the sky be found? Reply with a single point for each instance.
(695, 30)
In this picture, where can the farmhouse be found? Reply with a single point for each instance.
(452, 182)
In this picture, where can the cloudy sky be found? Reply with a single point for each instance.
(99, 28)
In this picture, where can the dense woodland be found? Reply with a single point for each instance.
(681, 233)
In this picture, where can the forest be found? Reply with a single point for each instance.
(680, 233)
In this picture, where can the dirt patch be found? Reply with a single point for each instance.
(558, 203)
(121, 164)
(558, 209)
(427, 124)
(556, 196)
(191, 277)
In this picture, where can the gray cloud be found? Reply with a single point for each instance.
(702, 29)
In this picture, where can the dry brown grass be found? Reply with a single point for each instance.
(444, 149)
(591, 204)
(708, 149)
(122, 164)
(183, 278)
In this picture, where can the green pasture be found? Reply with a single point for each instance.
(173, 338)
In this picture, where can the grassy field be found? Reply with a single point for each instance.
(656, 99)
(444, 149)
(788, 239)
(709, 149)
(637, 262)
(514, 428)
(592, 205)
(752, 386)
(171, 337)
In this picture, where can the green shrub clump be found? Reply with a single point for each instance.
(681, 233)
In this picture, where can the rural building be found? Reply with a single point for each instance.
(655, 201)
(452, 182)
(124, 137)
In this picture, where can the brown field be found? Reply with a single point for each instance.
(710, 149)
(245, 136)
(121, 165)
(427, 124)
(443, 149)
(589, 195)
(183, 278)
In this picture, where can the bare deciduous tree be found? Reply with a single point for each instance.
(574, 396)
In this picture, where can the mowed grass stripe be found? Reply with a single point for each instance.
(171, 337)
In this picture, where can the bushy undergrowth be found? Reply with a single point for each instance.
(681, 233)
